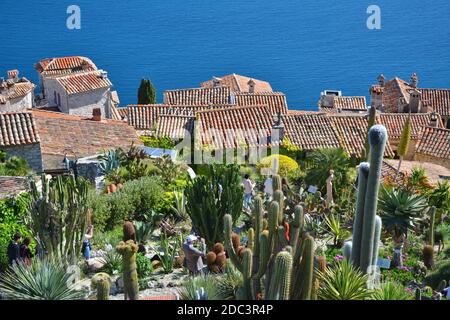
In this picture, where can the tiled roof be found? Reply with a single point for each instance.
(352, 133)
(198, 96)
(388, 173)
(144, 117)
(276, 101)
(310, 131)
(435, 142)
(392, 91)
(232, 127)
(12, 90)
(437, 99)
(394, 123)
(174, 127)
(350, 103)
(17, 128)
(12, 186)
(238, 83)
(83, 82)
(77, 136)
(118, 113)
(64, 65)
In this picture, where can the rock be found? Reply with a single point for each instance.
(161, 285)
(94, 264)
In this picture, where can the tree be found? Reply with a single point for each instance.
(405, 140)
(146, 93)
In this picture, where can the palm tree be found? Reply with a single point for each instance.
(400, 210)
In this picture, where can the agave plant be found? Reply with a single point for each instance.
(144, 231)
(342, 282)
(229, 283)
(334, 227)
(167, 256)
(391, 291)
(44, 280)
(401, 209)
(180, 205)
(112, 262)
(110, 160)
(196, 287)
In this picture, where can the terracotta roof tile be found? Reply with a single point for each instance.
(77, 136)
(437, 99)
(229, 128)
(64, 65)
(174, 126)
(394, 90)
(198, 96)
(310, 131)
(144, 117)
(17, 128)
(394, 123)
(435, 142)
(83, 82)
(11, 89)
(352, 133)
(238, 83)
(350, 103)
(276, 101)
(12, 186)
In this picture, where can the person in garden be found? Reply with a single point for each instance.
(86, 242)
(14, 249)
(25, 252)
(248, 191)
(193, 256)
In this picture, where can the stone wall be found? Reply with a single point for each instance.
(82, 104)
(427, 158)
(31, 153)
(411, 149)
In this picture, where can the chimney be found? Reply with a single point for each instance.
(376, 97)
(251, 86)
(103, 74)
(13, 74)
(415, 104)
(216, 82)
(414, 80)
(97, 114)
(433, 120)
(402, 105)
(381, 80)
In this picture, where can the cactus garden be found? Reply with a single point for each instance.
(323, 227)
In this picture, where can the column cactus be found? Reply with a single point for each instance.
(367, 225)
(304, 276)
(102, 283)
(228, 223)
(128, 251)
(432, 221)
(276, 182)
(251, 239)
(280, 283)
(247, 268)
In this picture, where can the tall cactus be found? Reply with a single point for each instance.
(102, 283)
(432, 221)
(228, 223)
(130, 277)
(306, 271)
(247, 274)
(276, 182)
(367, 225)
(281, 279)
(359, 216)
(58, 215)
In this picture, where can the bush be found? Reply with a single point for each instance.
(285, 164)
(12, 213)
(135, 201)
(440, 272)
(144, 266)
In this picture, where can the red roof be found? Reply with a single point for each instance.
(17, 128)
(238, 83)
(275, 101)
(83, 82)
(198, 96)
(64, 65)
(435, 142)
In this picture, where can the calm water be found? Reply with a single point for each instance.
(300, 46)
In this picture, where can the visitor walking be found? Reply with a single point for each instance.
(192, 255)
(14, 249)
(87, 243)
(248, 191)
(25, 252)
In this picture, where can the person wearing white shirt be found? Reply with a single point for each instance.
(248, 191)
(268, 188)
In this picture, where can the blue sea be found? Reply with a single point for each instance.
(300, 46)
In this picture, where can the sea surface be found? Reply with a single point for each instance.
(300, 46)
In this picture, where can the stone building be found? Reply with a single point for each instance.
(19, 137)
(400, 96)
(75, 86)
(238, 83)
(434, 146)
(16, 94)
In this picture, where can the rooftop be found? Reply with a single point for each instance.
(64, 65)
(17, 128)
(238, 83)
(198, 96)
(12, 186)
(435, 142)
(84, 82)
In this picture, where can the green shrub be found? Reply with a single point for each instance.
(144, 266)
(441, 271)
(100, 210)
(12, 214)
